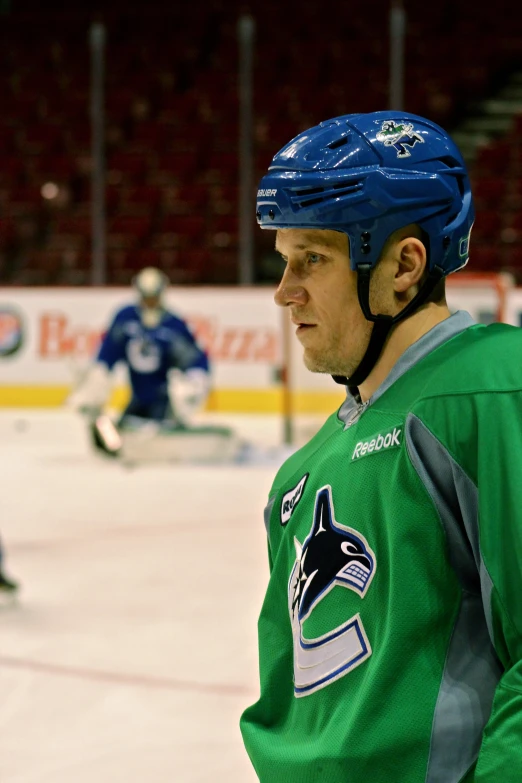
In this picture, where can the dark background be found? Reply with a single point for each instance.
(172, 112)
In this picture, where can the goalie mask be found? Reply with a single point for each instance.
(368, 175)
(150, 285)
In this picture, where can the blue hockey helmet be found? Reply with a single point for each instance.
(368, 175)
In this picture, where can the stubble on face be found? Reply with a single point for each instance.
(349, 337)
(331, 301)
(321, 291)
(341, 355)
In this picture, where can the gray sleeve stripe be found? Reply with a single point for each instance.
(486, 586)
(455, 497)
(267, 514)
(472, 670)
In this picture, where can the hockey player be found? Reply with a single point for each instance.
(168, 371)
(391, 632)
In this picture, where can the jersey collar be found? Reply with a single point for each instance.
(439, 334)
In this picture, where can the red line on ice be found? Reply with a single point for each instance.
(132, 680)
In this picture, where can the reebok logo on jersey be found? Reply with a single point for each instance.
(381, 442)
(291, 499)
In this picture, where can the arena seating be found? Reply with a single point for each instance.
(172, 123)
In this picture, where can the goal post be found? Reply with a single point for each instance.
(483, 294)
(309, 398)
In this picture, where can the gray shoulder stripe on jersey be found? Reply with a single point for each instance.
(456, 498)
(472, 670)
(267, 514)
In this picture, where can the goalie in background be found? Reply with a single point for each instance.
(168, 371)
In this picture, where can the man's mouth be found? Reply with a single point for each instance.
(303, 328)
(302, 324)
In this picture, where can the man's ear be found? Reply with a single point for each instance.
(411, 264)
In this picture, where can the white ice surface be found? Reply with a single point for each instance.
(132, 650)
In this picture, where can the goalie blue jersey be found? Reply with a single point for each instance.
(150, 353)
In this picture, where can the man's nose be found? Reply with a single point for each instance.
(290, 290)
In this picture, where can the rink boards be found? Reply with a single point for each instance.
(48, 336)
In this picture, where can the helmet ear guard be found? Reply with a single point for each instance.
(368, 175)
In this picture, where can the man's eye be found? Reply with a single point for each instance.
(313, 258)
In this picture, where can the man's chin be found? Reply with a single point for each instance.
(317, 364)
(322, 364)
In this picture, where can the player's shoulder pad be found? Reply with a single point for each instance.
(127, 313)
(170, 319)
(176, 324)
(480, 359)
(500, 352)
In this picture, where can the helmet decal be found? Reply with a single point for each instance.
(399, 135)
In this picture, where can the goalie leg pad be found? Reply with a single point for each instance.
(105, 436)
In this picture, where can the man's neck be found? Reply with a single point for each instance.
(404, 334)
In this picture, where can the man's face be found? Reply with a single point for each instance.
(321, 291)
(151, 302)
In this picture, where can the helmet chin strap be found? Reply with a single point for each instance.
(382, 323)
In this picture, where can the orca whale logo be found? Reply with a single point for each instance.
(332, 554)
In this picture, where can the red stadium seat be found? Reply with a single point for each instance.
(512, 230)
(132, 167)
(151, 134)
(72, 224)
(181, 165)
(165, 241)
(138, 259)
(7, 139)
(484, 258)
(143, 199)
(197, 265)
(137, 227)
(27, 198)
(56, 168)
(226, 162)
(488, 225)
(494, 159)
(42, 139)
(12, 168)
(190, 226)
(489, 191)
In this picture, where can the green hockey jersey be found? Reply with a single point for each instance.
(391, 632)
